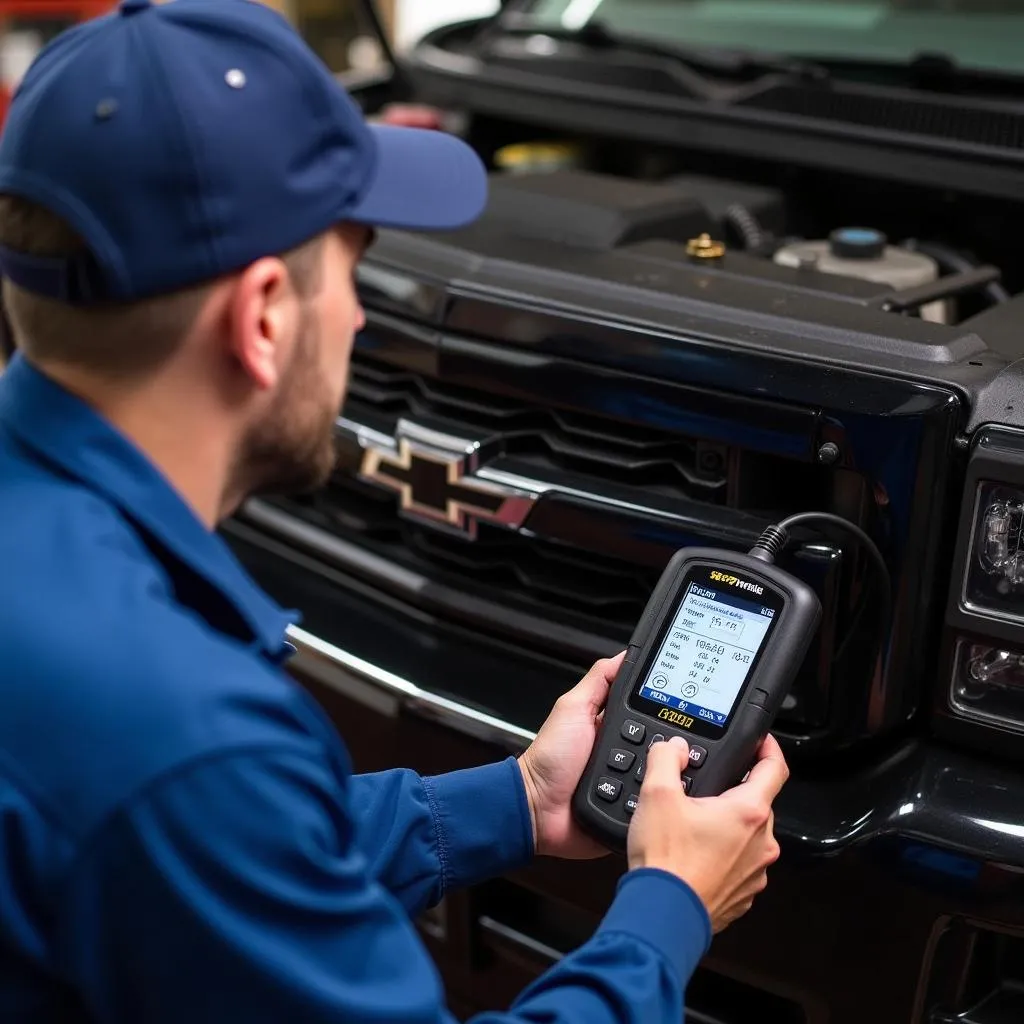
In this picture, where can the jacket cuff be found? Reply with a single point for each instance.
(662, 911)
(482, 821)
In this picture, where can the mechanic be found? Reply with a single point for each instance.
(185, 192)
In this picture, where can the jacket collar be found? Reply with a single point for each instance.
(66, 432)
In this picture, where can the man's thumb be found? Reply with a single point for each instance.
(666, 763)
(592, 690)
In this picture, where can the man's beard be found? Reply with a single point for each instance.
(291, 450)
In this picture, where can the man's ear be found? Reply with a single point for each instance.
(264, 321)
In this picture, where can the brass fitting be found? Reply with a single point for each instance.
(704, 247)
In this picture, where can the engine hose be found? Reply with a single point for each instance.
(747, 226)
(955, 262)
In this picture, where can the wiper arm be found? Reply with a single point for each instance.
(692, 63)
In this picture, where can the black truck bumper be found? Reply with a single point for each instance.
(898, 897)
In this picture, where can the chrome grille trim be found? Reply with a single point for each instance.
(368, 438)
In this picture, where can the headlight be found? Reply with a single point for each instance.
(981, 696)
(994, 580)
(988, 684)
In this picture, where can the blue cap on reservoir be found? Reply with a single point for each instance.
(857, 243)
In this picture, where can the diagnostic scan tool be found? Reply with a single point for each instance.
(714, 655)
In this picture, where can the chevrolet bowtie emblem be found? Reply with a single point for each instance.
(433, 476)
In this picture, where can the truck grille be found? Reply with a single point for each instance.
(581, 588)
(573, 584)
(611, 449)
(574, 580)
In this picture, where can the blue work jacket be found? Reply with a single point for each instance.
(182, 840)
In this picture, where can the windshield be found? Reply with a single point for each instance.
(983, 34)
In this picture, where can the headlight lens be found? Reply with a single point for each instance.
(988, 683)
(994, 581)
(983, 649)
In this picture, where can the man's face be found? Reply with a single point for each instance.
(291, 449)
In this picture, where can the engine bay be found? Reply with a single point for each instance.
(736, 229)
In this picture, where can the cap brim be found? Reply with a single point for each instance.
(424, 181)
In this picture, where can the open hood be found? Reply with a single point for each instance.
(352, 37)
(378, 17)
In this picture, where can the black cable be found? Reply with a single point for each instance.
(951, 260)
(776, 537)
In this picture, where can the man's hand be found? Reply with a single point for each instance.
(720, 846)
(555, 761)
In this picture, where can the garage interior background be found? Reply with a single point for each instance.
(333, 27)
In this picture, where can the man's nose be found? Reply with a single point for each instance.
(360, 318)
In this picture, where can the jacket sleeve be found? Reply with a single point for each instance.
(234, 890)
(422, 837)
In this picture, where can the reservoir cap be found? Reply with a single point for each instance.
(857, 243)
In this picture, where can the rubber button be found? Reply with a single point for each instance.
(621, 760)
(633, 731)
(608, 789)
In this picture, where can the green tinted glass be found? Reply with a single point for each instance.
(977, 33)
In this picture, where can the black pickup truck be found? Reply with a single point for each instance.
(742, 259)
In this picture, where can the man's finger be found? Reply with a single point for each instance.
(592, 690)
(665, 765)
(608, 668)
(770, 748)
(770, 773)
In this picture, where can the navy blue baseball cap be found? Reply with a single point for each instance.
(184, 140)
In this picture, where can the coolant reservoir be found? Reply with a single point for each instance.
(865, 253)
